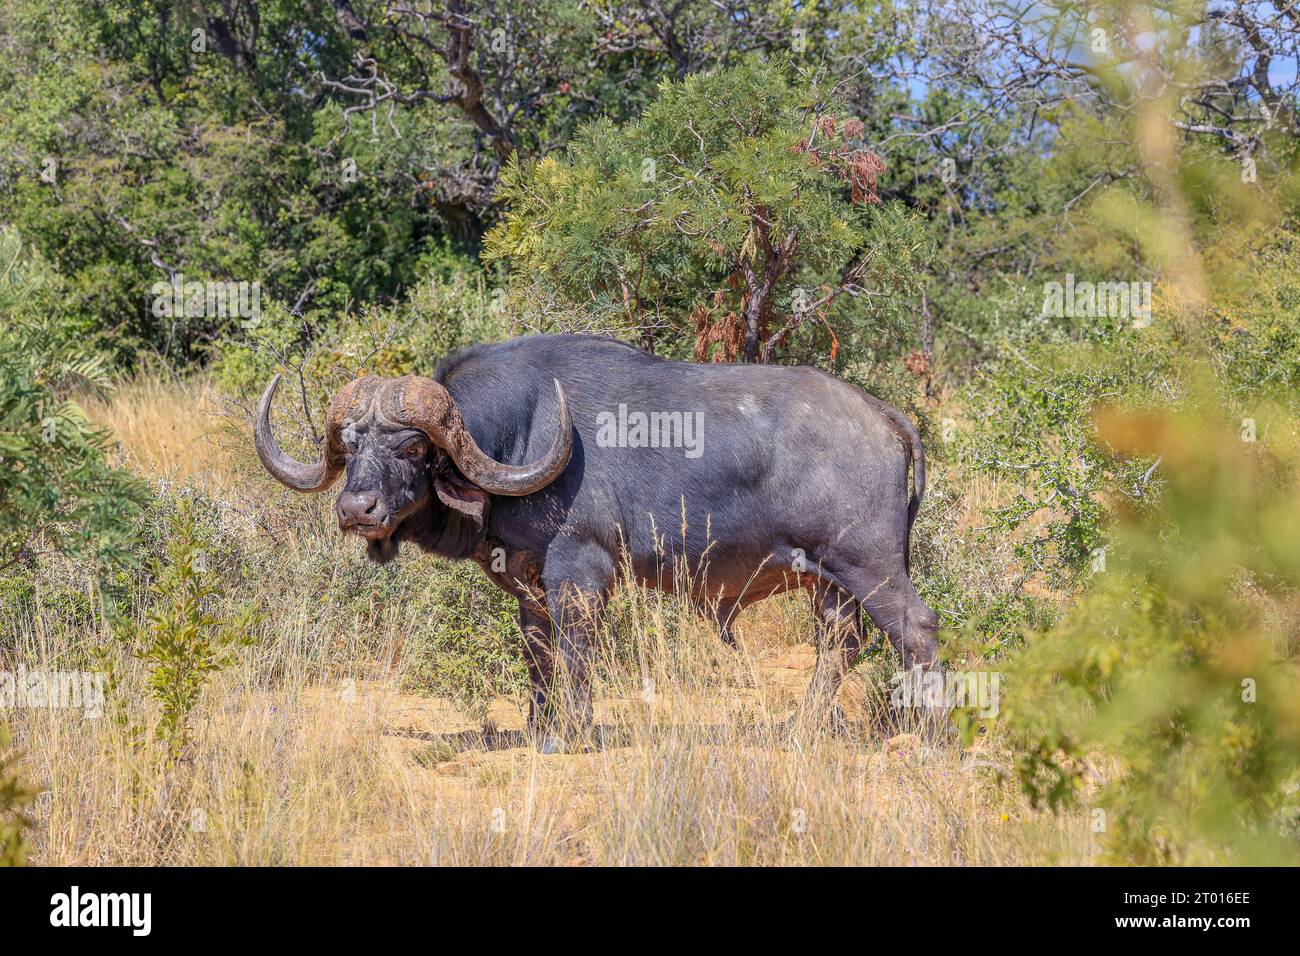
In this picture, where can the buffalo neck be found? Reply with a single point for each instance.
(441, 531)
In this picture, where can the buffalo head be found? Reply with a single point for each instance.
(397, 439)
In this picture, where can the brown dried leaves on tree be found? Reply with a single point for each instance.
(860, 168)
(727, 332)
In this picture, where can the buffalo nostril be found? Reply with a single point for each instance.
(354, 507)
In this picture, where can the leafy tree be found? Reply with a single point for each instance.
(183, 158)
(740, 209)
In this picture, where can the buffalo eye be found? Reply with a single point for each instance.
(349, 440)
(413, 451)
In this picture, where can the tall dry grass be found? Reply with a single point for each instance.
(168, 429)
(307, 751)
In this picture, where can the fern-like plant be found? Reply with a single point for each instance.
(185, 640)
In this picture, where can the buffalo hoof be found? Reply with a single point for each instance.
(573, 742)
(551, 744)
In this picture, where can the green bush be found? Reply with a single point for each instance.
(467, 647)
(188, 634)
(452, 307)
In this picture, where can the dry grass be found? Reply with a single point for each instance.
(297, 762)
(167, 429)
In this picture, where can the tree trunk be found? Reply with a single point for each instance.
(755, 326)
(927, 341)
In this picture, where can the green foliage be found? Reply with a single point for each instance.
(1034, 429)
(185, 640)
(1254, 335)
(1174, 683)
(454, 634)
(58, 491)
(128, 157)
(131, 152)
(14, 795)
(739, 209)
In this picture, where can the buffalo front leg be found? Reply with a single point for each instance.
(539, 655)
(575, 613)
(576, 593)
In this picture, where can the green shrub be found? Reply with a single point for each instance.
(452, 307)
(185, 638)
(737, 217)
(467, 646)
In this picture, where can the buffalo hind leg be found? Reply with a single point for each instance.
(724, 615)
(838, 640)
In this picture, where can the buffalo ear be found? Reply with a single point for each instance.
(457, 493)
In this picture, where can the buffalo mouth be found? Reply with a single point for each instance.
(381, 542)
(370, 530)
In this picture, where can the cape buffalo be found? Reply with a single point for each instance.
(558, 461)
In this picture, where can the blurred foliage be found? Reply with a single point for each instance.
(14, 795)
(1173, 684)
(1165, 696)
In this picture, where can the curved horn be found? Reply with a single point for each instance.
(428, 406)
(285, 469)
